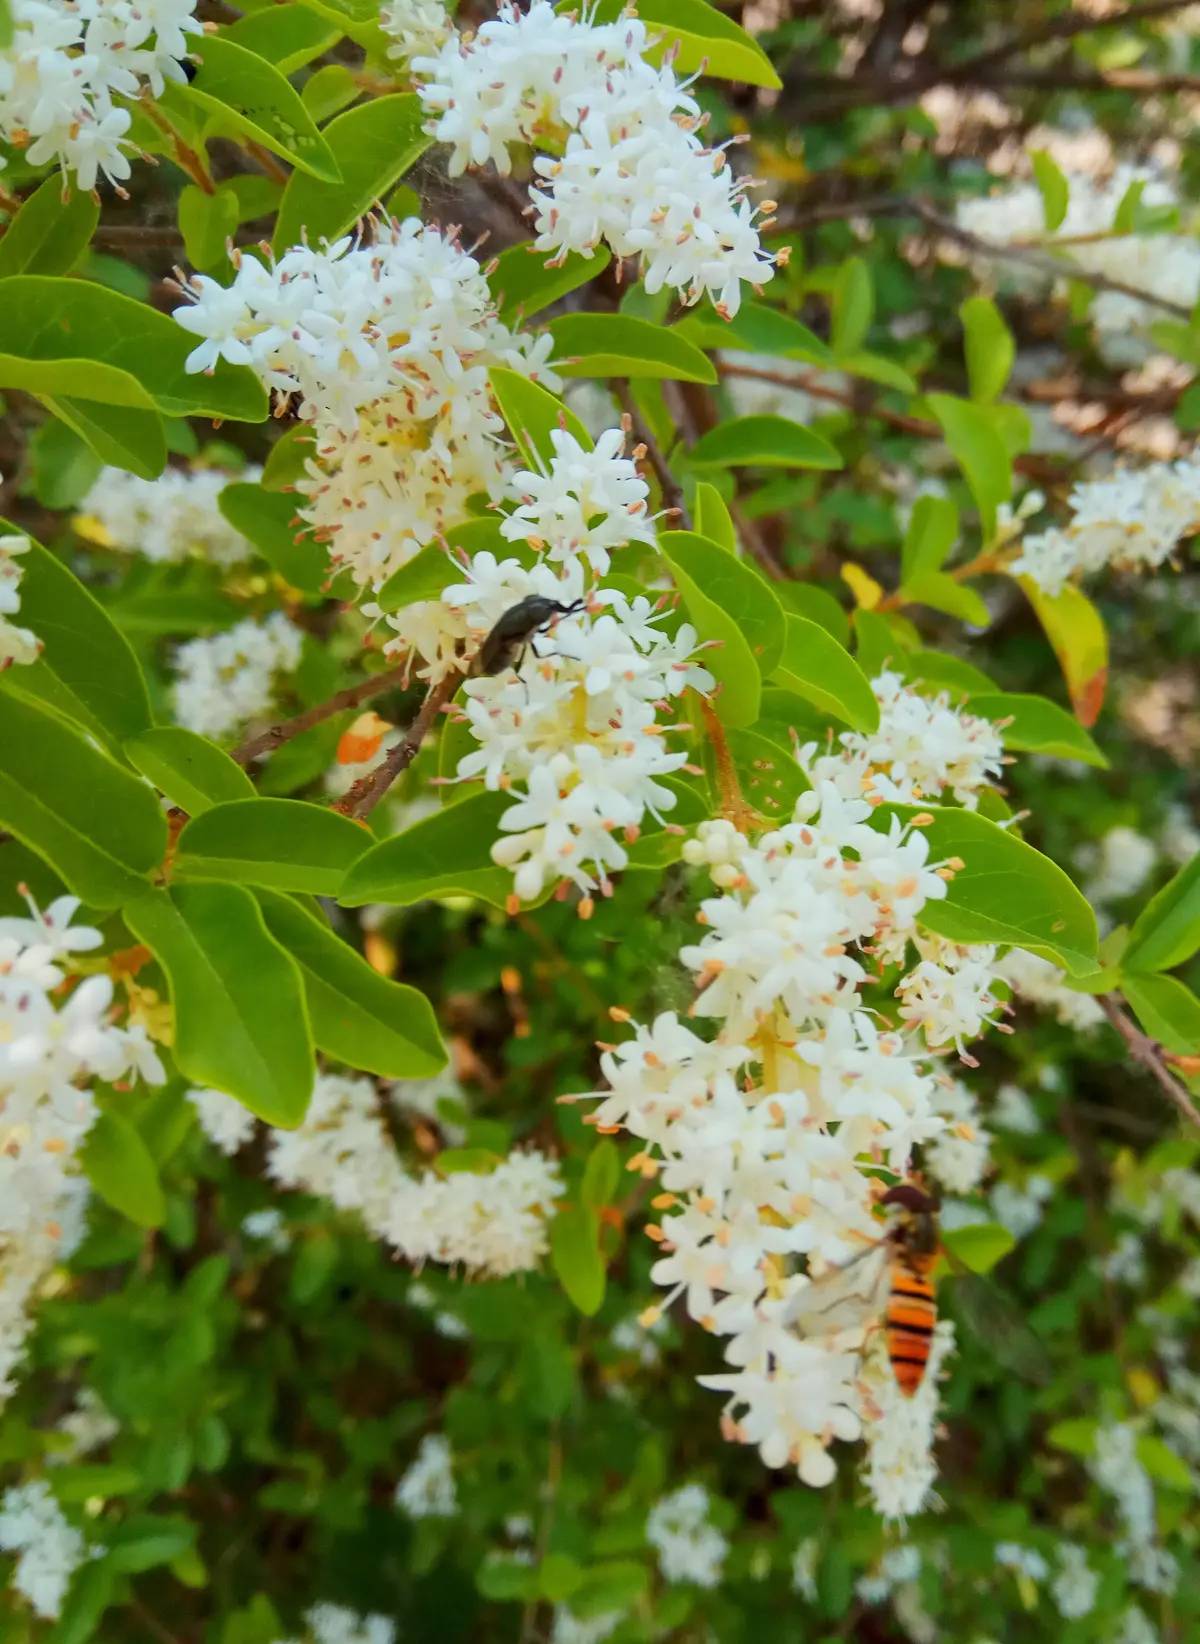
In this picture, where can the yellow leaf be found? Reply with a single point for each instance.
(867, 592)
(1143, 1388)
(1076, 630)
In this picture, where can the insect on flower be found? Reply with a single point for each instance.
(891, 1285)
(516, 631)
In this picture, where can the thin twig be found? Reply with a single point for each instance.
(185, 157)
(370, 789)
(267, 162)
(276, 735)
(672, 491)
(1147, 1053)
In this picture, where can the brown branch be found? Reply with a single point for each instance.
(1148, 1053)
(276, 735)
(185, 157)
(370, 789)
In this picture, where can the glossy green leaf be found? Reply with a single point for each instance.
(118, 1164)
(575, 1254)
(853, 306)
(943, 593)
(287, 459)
(241, 1023)
(1163, 1465)
(989, 347)
(254, 99)
(824, 673)
(615, 345)
(207, 221)
(704, 37)
(329, 90)
(122, 436)
(601, 1174)
(1031, 724)
(287, 35)
(280, 844)
(422, 577)
(1005, 891)
(971, 433)
(768, 774)
(92, 1590)
(713, 519)
(49, 234)
(1053, 187)
(979, 1245)
(99, 826)
(444, 855)
(87, 669)
(763, 442)
(1167, 1010)
(805, 599)
(192, 771)
(358, 1016)
(1077, 633)
(524, 281)
(941, 672)
(932, 533)
(531, 412)
(6, 24)
(268, 519)
(1167, 931)
(374, 145)
(740, 592)
(729, 658)
(77, 338)
(147, 1540)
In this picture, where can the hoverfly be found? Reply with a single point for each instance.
(516, 630)
(891, 1284)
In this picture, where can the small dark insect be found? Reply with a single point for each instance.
(516, 631)
(190, 69)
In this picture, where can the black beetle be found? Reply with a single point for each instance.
(516, 631)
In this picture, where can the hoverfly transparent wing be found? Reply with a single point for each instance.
(843, 1298)
(999, 1324)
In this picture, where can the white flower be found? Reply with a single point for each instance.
(1122, 861)
(49, 1549)
(225, 682)
(1012, 1110)
(169, 519)
(1075, 1583)
(1020, 1210)
(586, 503)
(334, 1624)
(957, 1157)
(17, 645)
(804, 1569)
(689, 1548)
(1027, 1561)
(1037, 980)
(900, 1469)
(569, 1629)
(427, 1490)
(89, 1426)
(417, 28)
(227, 1124)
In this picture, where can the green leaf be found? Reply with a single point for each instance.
(523, 282)
(118, 1164)
(373, 145)
(328, 91)
(122, 436)
(942, 593)
(575, 1253)
(467, 1161)
(614, 345)
(763, 442)
(148, 1540)
(705, 37)
(531, 412)
(268, 519)
(730, 660)
(807, 600)
(287, 35)
(49, 234)
(241, 1024)
(1167, 1010)
(740, 592)
(358, 1016)
(853, 306)
(192, 771)
(423, 577)
(601, 1174)
(878, 368)
(76, 1484)
(279, 844)
(62, 468)
(713, 519)
(87, 668)
(1053, 186)
(6, 24)
(1125, 217)
(989, 347)
(1167, 931)
(1077, 633)
(1076, 1435)
(1005, 892)
(254, 100)
(206, 221)
(444, 855)
(99, 826)
(1037, 726)
(978, 1246)
(77, 338)
(932, 533)
(944, 672)
(770, 778)
(287, 459)
(1163, 1465)
(824, 673)
(92, 1590)
(971, 433)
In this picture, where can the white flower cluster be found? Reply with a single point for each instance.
(1165, 266)
(386, 345)
(899, 1468)
(71, 64)
(334, 1624)
(629, 167)
(1134, 520)
(1119, 1471)
(227, 1124)
(1121, 862)
(16, 644)
(416, 28)
(1075, 1583)
(923, 748)
(427, 1489)
(225, 682)
(492, 1224)
(568, 1628)
(689, 1548)
(1039, 982)
(48, 1057)
(576, 737)
(172, 518)
(48, 1549)
(89, 1426)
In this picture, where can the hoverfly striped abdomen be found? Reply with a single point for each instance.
(911, 1311)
